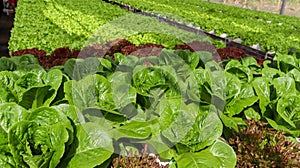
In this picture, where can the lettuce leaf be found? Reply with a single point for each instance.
(219, 154)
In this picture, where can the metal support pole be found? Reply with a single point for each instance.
(282, 7)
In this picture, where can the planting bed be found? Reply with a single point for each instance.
(80, 25)
(60, 55)
(55, 26)
(229, 42)
(272, 32)
(104, 88)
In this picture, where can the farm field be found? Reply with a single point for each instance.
(91, 84)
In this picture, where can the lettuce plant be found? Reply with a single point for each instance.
(261, 146)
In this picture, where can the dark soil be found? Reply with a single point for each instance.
(6, 24)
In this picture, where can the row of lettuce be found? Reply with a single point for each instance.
(272, 32)
(77, 24)
(180, 103)
(55, 26)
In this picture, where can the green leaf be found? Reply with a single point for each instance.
(119, 78)
(285, 128)
(7, 64)
(205, 56)
(47, 116)
(218, 155)
(232, 122)
(244, 99)
(16, 139)
(295, 74)
(31, 68)
(213, 66)
(288, 108)
(207, 128)
(175, 119)
(236, 68)
(233, 86)
(94, 146)
(250, 113)
(261, 86)
(119, 57)
(53, 78)
(91, 91)
(271, 72)
(78, 69)
(71, 112)
(128, 64)
(286, 63)
(106, 64)
(168, 110)
(123, 95)
(58, 140)
(160, 147)
(218, 87)
(284, 85)
(4, 138)
(29, 90)
(6, 159)
(8, 93)
(27, 59)
(37, 96)
(201, 80)
(179, 57)
(25, 63)
(133, 129)
(10, 114)
(249, 62)
(252, 64)
(29, 80)
(145, 78)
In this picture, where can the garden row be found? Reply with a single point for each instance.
(77, 24)
(272, 32)
(55, 26)
(60, 55)
(179, 103)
